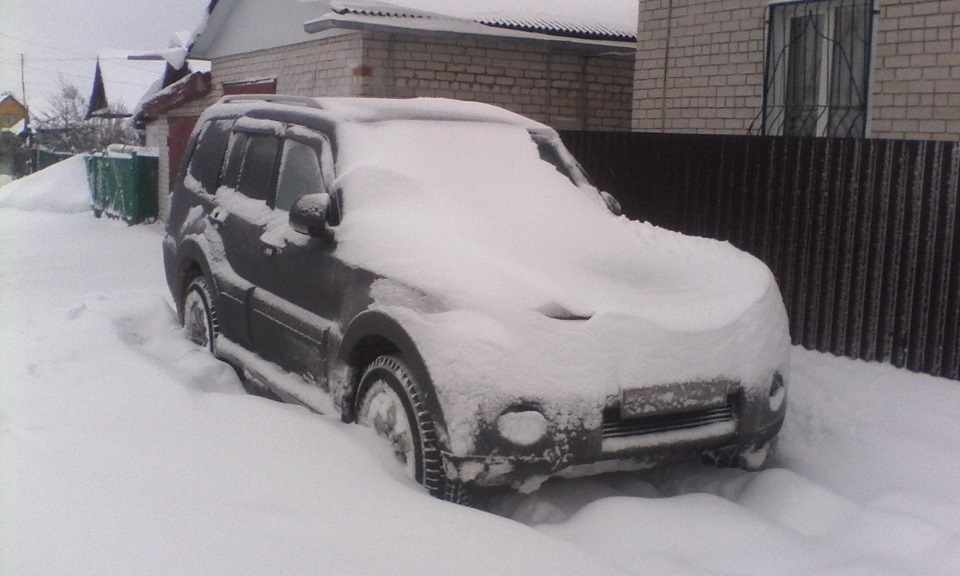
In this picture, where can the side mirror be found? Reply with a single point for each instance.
(612, 204)
(308, 215)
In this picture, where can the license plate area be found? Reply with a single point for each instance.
(674, 398)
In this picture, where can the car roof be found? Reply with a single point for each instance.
(360, 109)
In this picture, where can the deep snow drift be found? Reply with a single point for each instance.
(126, 450)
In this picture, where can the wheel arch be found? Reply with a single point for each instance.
(374, 333)
(190, 262)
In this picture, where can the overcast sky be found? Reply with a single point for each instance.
(61, 38)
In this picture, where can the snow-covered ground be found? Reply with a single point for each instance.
(126, 450)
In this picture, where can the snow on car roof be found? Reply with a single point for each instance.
(385, 109)
(382, 109)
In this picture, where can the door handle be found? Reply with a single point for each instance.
(217, 217)
(272, 242)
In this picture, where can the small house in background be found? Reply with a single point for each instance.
(567, 64)
(847, 68)
(13, 155)
(12, 112)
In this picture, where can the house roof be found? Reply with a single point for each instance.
(261, 24)
(553, 19)
(12, 112)
(122, 82)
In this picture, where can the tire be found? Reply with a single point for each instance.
(200, 314)
(388, 400)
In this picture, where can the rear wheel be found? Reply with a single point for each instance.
(388, 401)
(199, 314)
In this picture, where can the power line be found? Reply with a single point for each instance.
(34, 42)
(84, 76)
(117, 60)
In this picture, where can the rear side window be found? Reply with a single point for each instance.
(259, 166)
(234, 160)
(300, 174)
(208, 154)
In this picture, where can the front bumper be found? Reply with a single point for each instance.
(722, 433)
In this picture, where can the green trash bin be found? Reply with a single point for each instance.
(124, 185)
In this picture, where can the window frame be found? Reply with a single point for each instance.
(321, 147)
(780, 64)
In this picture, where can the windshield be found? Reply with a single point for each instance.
(471, 161)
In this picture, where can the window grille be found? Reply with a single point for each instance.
(817, 70)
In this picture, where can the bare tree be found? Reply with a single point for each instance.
(63, 126)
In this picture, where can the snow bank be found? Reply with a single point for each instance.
(61, 187)
(125, 449)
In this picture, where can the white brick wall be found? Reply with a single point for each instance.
(156, 137)
(916, 87)
(700, 66)
(560, 87)
(557, 86)
(322, 67)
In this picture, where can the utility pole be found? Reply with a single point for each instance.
(23, 93)
(31, 141)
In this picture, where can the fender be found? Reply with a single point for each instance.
(363, 340)
(188, 253)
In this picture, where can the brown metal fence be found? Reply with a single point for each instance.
(862, 235)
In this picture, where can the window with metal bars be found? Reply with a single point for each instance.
(818, 68)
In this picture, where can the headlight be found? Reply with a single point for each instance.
(778, 391)
(523, 428)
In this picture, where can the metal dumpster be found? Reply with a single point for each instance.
(123, 183)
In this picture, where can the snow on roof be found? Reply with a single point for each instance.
(127, 81)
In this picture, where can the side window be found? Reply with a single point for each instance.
(300, 174)
(207, 158)
(259, 166)
(234, 160)
(550, 155)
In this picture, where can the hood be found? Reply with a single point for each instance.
(470, 214)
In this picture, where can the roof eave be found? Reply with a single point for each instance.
(373, 23)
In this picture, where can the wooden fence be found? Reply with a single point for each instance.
(862, 235)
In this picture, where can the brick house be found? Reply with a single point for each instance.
(564, 72)
(855, 68)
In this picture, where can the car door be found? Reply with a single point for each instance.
(294, 310)
(197, 187)
(242, 215)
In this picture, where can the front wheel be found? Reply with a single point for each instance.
(388, 400)
(199, 314)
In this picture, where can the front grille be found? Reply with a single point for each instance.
(615, 427)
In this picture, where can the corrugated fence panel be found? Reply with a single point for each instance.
(862, 235)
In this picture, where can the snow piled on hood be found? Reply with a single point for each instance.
(422, 206)
(58, 188)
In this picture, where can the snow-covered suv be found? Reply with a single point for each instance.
(445, 273)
